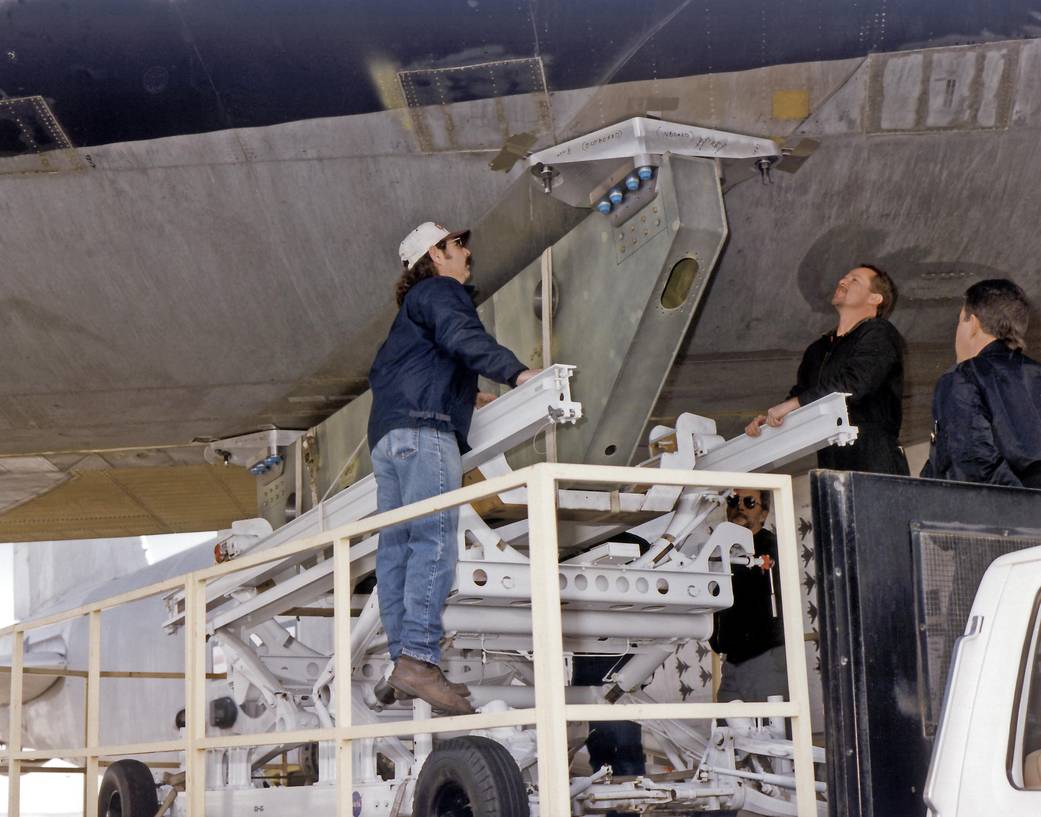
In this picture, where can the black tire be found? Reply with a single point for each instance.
(127, 790)
(470, 777)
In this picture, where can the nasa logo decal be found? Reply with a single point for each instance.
(356, 804)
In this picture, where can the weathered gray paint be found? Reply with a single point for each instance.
(199, 286)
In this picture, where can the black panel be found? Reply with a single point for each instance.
(117, 70)
(874, 593)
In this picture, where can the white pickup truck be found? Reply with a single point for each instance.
(986, 759)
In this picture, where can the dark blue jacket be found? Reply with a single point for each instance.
(987, 420)
(425, 373)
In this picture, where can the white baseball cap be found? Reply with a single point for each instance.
(420, 240)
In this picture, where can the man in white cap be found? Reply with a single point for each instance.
(424, 390)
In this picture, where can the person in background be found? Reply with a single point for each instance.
(750, 633)
(987, 408)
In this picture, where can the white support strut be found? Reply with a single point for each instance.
(641, 136)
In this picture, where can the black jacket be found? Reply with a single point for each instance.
(868, 364)
(750, 628)
(987, 420)
(425, 373)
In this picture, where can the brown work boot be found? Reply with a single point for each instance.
(386, 694)
(413, 678)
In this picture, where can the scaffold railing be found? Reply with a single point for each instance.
(551, 713)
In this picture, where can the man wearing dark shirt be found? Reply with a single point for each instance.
(424, 389)
(863, 357)
(987, 409)
(750, 632)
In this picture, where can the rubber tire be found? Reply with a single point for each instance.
(128, 790)
(475, 768)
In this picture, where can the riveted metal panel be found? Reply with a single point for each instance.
(27, 125)
(505, 98)
(942, 89)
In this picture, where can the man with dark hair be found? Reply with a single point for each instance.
(987, 409)
(882, 284)
(750, 632)
(863, 357)
(424, 389)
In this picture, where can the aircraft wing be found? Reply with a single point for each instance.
(199, 231)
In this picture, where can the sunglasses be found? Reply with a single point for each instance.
(748, 501)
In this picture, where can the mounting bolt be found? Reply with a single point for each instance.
(546, 174)
(763, 165)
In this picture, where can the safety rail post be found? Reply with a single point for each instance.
(342, 681)
(14, 739)
(795, 647)
(796, 709)
(93, 715)
(195, 694)
(547, 642)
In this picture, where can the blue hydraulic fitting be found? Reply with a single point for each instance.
(604, 206)
(615, 196)
(645, 173)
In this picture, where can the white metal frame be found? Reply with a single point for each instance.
(542, 402)
(550, 714)
(641, 136)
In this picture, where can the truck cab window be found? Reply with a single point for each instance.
(1025, 751)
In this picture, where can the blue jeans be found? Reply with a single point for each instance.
(415, 561)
